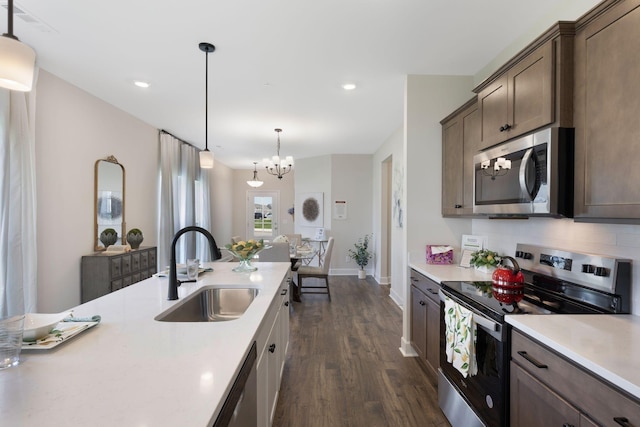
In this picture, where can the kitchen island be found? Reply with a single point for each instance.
(131, 370)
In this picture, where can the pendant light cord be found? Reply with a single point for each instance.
(206, 101)
(9, 32)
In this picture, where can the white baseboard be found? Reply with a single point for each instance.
(406, 349)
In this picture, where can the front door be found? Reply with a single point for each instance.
(262, 214)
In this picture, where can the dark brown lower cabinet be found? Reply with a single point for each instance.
(425, 320)
(550, 390)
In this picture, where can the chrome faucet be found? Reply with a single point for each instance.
(173, 276)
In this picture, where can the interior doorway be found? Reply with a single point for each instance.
(262, 214)
(386, 177)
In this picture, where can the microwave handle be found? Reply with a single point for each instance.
(523, 173)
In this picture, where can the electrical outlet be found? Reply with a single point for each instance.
(346, 258)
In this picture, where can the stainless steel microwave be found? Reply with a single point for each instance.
(529, 176)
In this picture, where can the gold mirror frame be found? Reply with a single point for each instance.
(109, 197)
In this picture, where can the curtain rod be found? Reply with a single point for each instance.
(180, 139)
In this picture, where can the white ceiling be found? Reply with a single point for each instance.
(278, 63)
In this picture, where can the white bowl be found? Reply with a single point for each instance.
(38, 325)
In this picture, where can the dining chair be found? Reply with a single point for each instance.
(295, 239)
(278, 252)
(321, 272)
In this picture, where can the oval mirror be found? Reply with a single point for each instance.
(109, 199)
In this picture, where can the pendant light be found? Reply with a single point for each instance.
(277, 166)
(206, 156)
(255, 182)
(17, 60)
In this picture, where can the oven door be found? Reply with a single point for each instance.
(487, 391)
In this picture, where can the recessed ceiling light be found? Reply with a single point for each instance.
(141, 84)
(348, 86)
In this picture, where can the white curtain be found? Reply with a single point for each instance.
(18, 252)
(184, 201)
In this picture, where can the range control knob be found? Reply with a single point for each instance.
(588, 268)
(523, 255)
(601, 271)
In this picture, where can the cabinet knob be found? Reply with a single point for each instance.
(422, 302)
(506, 127)
(458, 206)
(272, 348)
(567, 425)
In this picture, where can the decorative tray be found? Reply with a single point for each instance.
(63, 332)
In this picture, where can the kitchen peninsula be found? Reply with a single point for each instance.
(132, 370)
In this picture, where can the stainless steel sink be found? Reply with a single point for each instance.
(211, 305)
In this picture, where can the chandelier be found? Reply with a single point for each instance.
(500, 167)
(278, 167)
(255, 182)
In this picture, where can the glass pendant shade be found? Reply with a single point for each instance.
(17, 62)
(255, 182)
(206, 159)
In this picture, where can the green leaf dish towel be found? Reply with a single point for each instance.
(460, 334)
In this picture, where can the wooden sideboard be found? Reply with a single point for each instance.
(102, 272)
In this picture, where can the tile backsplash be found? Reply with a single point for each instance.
(619, 240)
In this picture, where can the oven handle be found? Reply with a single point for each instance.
(488, 324)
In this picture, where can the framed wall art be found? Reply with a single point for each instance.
(310, 209)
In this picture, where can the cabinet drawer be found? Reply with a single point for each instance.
(426, 285)
(126, 281)
(591, 395)
(152, 259)
(135, 262)
(116, 266)
(144, 260)
(126, 264)
(115, 285)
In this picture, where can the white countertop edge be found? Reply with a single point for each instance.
(551, 336)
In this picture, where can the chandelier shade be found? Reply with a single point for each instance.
(17, 60)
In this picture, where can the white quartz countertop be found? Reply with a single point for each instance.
(131, 370)
(607, 345)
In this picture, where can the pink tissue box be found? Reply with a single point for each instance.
(439, 254)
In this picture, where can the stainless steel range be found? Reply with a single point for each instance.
(556, 282)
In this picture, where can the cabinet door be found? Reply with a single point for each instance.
(494, 113)
(607, 102)
(531, 92)
(533, 404)
(433, 336)
(519, 101)
(460, 137)
(419, 322)
(452, 167)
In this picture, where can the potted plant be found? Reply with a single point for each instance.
(108, 237)
(361, 255)
(485, 260)
(134, 238)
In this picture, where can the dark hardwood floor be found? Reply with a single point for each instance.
(344, 366)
